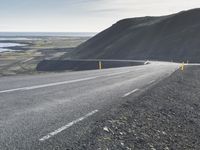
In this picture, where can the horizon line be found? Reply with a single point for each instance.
(48, 32)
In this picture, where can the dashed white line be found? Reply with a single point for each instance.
(48, 136)
(129, 93)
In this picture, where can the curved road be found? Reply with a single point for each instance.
(52, 111)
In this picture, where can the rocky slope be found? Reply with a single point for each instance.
(174, 37)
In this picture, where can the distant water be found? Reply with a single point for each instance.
(4, 46)
(25, 34)
(15, 38)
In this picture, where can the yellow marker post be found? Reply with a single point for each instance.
(100, 65)
(182, 66)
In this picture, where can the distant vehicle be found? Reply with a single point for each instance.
(146, 62)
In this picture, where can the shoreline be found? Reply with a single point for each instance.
(11, 47)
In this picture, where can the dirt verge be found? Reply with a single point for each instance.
(165, 117)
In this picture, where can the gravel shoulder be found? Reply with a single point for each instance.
(163, 117)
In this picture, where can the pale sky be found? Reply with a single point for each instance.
(80, 15)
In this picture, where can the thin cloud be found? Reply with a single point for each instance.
(106, 10)
(81, 15)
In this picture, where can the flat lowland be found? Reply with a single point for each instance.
(165, 116)
(24, 59)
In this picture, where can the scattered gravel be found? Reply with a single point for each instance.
(165, 117)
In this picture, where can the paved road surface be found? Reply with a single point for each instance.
(54, 110)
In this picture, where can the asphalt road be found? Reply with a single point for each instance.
(52, 111)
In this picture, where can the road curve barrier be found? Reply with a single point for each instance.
(80, 65)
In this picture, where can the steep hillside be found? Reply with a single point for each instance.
(175, 37)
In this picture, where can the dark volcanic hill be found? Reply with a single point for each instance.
(175, 37)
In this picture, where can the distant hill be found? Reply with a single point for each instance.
(174, 37)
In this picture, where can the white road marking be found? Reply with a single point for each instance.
(46, 85)
(57, 83)
(129, 93)
(48, 136)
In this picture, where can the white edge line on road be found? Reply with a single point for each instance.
(48, 136)
(57, 83)
(129, 93)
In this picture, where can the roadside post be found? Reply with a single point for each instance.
(100, 65)
(182, 69)
(182, 66)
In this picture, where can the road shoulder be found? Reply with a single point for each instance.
(166, 116)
